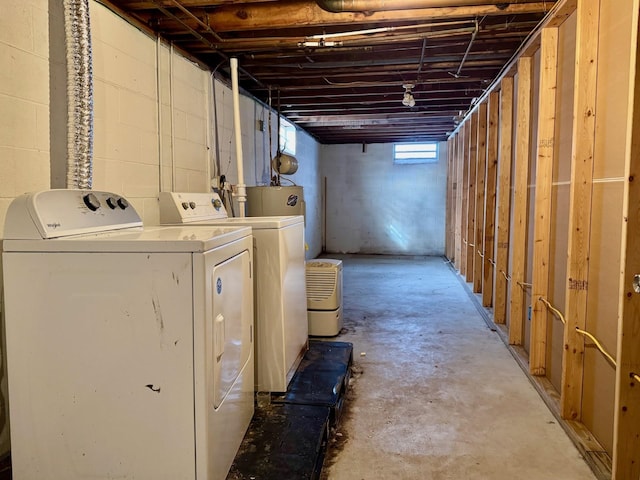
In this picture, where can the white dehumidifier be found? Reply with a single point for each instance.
(324, 296)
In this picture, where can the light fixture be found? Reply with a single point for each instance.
(407, 99)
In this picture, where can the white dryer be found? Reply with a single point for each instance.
(280, 295)
(130, 350)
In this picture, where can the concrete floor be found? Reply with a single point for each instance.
(435, 393)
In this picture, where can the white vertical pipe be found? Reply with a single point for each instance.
(240, 188)
(159, 119)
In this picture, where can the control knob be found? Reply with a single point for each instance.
(112, 203)
(91, 201)
(217, 204)
(122, 203)
(192, 205)
(185, 205)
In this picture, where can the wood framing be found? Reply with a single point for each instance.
(582, 159)
(520, 204)
(471, 221)
(458, 200)
(481, 175)
(542, 211)
(626, 422)
(503, 201)
(449, 214)
(490, 199)
(464, 218)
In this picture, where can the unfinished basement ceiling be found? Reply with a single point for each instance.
(340, 68)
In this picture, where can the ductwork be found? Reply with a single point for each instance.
(337, 6)
(79, 94)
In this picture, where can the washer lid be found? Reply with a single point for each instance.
(150, 239)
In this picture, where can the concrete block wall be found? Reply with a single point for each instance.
(24, 99)
(24, 123)
(376, 207)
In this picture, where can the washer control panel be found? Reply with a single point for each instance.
(59, 213)
(177, 208)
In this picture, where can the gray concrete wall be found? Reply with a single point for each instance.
(376, 207)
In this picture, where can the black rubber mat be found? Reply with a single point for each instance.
(283, 442)
(322, 377)
(287, 439)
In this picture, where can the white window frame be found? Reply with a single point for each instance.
(287, 137)
(415, 153)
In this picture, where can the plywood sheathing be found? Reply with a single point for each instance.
(520, 196)
(616, 66)
(503, 201)
(560, 198)
(493, 113)
(544, 178)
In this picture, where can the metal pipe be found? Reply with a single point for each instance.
(338, 6)
(240, 187)
(79, 94)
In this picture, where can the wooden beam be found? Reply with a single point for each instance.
(542, 217)
(503, 201)
(626, 422)
(488, 271)
(450, 203)
(471, 229)
(305, 13)
(458, 191)
(520, 204)
(582, 160)
(561, 10)
(464, 158)
(481, 176)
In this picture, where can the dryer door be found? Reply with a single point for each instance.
(228, 326)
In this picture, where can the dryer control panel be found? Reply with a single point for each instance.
(178, 208)
(61, 213)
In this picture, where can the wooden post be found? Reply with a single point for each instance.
(520, 196)
(464, 158)
(473, 159)
(626, 421)
(542, 215)
(583, 146)
(503, 200)
(481, 175)
(458, 200)
(488, 271)
(449, 212)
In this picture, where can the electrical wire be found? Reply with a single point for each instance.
(504, 274)
(557, 312)
(598, 345)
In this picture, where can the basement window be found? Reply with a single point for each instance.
(413, 153)
(287, 136)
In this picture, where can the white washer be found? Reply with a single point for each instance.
(280, 295)
(130, 350)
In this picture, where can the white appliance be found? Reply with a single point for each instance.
(324, 296)
(279, 288)
(129, 350)
(275, 200)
